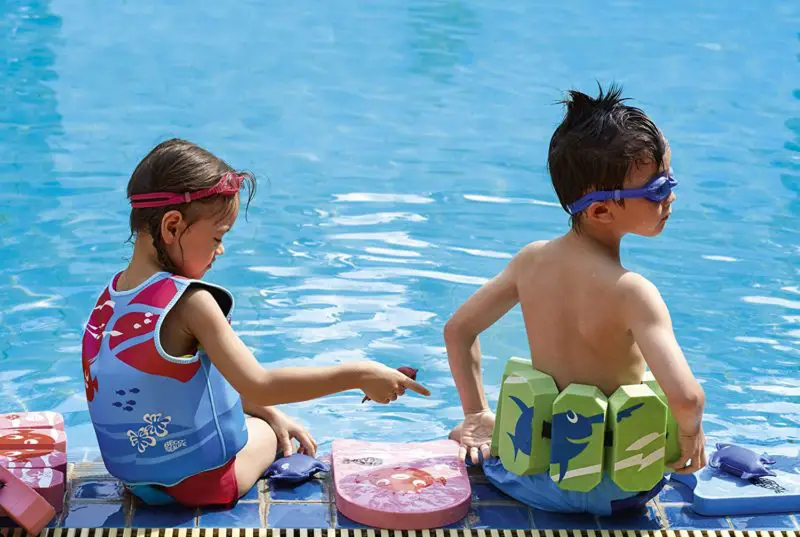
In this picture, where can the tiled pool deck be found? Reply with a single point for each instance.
(95, 500)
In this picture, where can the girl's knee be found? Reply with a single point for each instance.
(256, 456)
(260, 433)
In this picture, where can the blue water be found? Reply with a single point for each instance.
(401, 151)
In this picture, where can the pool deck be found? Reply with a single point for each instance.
(96, 500)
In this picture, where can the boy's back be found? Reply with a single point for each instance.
(571, 298)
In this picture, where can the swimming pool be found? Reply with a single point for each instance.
(401, 155)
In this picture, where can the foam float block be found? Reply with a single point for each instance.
(401, 486)
(32, 420)
(47, 482)
(27, 438)
(718, 493)
(34, 458)
(23, 504)
(33, 449)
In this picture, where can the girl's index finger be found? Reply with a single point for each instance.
(416, 386)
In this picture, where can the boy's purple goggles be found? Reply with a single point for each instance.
(657, 189)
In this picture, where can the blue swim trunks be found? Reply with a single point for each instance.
(541, 492)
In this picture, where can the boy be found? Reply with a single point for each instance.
(588, 319)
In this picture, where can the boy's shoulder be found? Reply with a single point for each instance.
(640, 298)
(530, 251)
(523, 260)
(635, 285)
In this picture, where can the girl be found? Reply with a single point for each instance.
(167, 380)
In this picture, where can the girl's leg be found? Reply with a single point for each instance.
(256, 456)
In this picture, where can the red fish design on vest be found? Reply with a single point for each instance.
(92, 339)
(144, 356)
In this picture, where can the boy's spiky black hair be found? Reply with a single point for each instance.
(597, 143)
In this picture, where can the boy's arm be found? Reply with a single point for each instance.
(649, 320)
(478, 313)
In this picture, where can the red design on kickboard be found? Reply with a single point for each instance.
(24, 455)
(401, 479)
(93, 337)
(27, 438)
(36, 456)
(33, 457)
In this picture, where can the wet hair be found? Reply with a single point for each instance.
(180, 166)
(597, 143)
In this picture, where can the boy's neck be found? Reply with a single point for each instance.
(604, 240)
(143, 263)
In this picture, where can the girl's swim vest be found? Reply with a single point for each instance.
(158, 418)
(579, 434)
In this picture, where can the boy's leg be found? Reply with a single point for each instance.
(256, 456)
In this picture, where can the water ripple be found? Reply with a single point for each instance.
(382, 198)
(401, 153)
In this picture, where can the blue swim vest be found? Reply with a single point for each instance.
(158, 418)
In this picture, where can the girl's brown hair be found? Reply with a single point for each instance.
(180, 166)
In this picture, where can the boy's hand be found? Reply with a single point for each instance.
(475, 435)
(383, 384)
(693, 448)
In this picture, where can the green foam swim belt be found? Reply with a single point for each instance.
(578, 435)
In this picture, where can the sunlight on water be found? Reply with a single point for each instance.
(400, 151)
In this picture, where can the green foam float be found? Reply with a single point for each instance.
(578, 435)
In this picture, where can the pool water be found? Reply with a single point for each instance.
(400, 148)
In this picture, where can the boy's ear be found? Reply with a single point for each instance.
(600, 212)
(172, 225)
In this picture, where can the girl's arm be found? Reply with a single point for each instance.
(201, 315)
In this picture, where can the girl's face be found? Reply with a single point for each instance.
(193, 248)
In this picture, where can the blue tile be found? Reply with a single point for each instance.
(486, 492)
(310, 491)
(763, 522)
(95, 515)
(298, 515)
(643, 518)
(98, 490)
(545, 520)
(682, 517)
(457, 525)
(163, 516)
(344, 522)
(243, 515)
(510, 517)
(675, 492)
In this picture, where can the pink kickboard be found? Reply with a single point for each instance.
(32, 420)
(47, 482)
(28, 438)
(33, 458)
(401, 486)
(23, 504)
